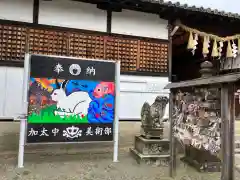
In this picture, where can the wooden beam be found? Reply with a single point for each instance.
(170, 52)
(174, 30)
(109, 21)
(35, 11)
(173, 151)
(206, 81)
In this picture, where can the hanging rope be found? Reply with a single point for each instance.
(232, 48)
(212, 36)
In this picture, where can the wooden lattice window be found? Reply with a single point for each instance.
(48, 42)
(12, 43)
(86, 46)
(153, 57)
(136, 55)
(123, 49)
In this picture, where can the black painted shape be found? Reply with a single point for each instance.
(59, 136)
(43, 66)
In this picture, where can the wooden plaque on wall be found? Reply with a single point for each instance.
(136, 54)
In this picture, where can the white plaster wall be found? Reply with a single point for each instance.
(2, 87)
(11, 86)
(135, 90)
(14, 90)
(72, 14)
(139, 24)
(16, 10)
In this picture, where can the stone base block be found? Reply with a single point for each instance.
(203, 167)
(158, 160)
(201, 160)
(151, 146)
(150, 132)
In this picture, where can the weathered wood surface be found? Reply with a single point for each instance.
(228, 78)
(228, 119)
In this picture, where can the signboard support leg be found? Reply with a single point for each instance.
(23, 120)
(21, 143)
(116, 118)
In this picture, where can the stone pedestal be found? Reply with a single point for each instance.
(149, 132)
(201, 160)
(151, 151)
(150, 147)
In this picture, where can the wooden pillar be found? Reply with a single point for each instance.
(172, 163)
(227, 131)
(109, 21)
(35, 11)
(170, 52)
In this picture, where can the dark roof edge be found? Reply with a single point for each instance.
(194, 8)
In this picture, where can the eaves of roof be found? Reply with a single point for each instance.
(194, 8)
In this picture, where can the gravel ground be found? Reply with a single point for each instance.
(83, 162)
(87, 166)
(93, 166)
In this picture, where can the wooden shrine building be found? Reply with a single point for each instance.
(137, 32)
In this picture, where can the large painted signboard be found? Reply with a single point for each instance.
(70, 100)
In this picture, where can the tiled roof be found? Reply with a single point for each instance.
(194, 8)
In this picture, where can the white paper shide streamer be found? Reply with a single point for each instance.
(234, 49)
(195, 42)
(220, 48)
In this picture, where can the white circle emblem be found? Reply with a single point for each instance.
(75, 69)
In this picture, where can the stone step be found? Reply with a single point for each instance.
(159, 160)
(203, 167)
(143, 156)
(151, 146)
(153, 140)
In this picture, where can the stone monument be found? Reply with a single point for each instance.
(150, 146)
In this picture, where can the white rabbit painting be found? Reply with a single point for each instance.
(75, 104)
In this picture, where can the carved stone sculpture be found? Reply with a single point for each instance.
(152, 117)
(150, 145)
(145, 115)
